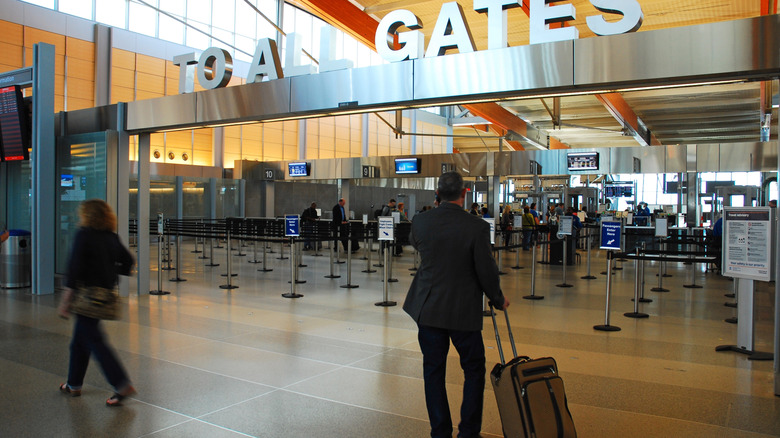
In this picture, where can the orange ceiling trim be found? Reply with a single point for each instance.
(622, 112)
(347, 17)
(557, 144)
(499, 115)
(768, 7)
(513, 144)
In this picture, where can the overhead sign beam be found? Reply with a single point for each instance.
(625, 115)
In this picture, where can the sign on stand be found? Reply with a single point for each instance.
(748, 243)
(565, 225)
(292, 225)
(661, 227)
(386, 231)
(492, 223)
(611, 236)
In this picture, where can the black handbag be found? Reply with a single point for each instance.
(96, 302)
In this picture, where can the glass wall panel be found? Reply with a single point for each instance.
(81, 175)
(17, 202)
(111, 12)
(143, 19)
(79, 8)
(195, 198)
(170, 29)
(227, 198)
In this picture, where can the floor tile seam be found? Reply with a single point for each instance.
(683, 420)
(189, 419)
(259, 396)
(240, 379)
(227, 341)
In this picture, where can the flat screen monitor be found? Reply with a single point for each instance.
(14, 127)
(66, 181)
(407, 166)
(299, 169)
(618, 191)
(583, 161)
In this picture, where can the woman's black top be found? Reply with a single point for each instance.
(97, 258)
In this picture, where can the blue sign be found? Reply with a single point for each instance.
(611, 232)
(292, 225)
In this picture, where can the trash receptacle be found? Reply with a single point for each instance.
(16, 260)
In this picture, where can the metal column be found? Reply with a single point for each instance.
(142, 214)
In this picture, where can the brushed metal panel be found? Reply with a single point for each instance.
(509, 71)
(368, 86)
(676, 158)
(724, 50)
(550, 161)
(707, 158)
(652, 159)
(164, 112)
(257, 101)
(748, 157)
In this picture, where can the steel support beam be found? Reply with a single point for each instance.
(625, 115)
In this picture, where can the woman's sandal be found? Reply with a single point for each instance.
(116, 399)
(65, 389)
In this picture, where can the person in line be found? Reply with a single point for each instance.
(537, 219)
(559, 211)
(445, 300)
(309, 217)
(507, 222)
(97, 257)
(339, 224)
(402, 211)
(529, 227)
(474, 209)
(387, 210)
(773, 203)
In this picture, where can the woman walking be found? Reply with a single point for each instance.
(97, 257)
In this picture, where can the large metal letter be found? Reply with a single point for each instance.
(265, 62)
(215, 68)
(411, 42)
(497, 19)
(451, 32)
(186, 73)
(629, 9)
(328, 61)
(292, 58)
(541, 17)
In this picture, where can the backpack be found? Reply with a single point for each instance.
(378, 213)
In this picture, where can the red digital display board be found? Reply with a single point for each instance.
(14, 132)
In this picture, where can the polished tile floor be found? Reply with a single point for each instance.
(208, 362)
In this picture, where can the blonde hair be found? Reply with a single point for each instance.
(97, 214)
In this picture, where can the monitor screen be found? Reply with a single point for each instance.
(298, 169)
(618, 191)
(407, 165)
(14, 129)
(583, 161)
(66, 181)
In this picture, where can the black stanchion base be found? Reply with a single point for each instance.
(636, 315)
(282, 258)
(644, 300)
(589, 277)
(692, 286)
(730, 295)
(731, 320)
(316, 255)
(254, 261)
(617, 269)
(543, 263)
(333, 276)
(203, 258)
(228, 286)
(665, 275)
(564, 285)
(218, 247)
(752, 355)
(412, 269)
(168, 269)
(298, 282)
(349, 286)
(159, 292)
(225, 275)
(290, 295)
(501, 273)
(606, 328)
(487, 313)
(517, 267)
(339, 262)
(390, 280)
(368, 271)
(264, 270)
(240, 255)
(303, 266)
(177, 279)
(211, 264)
(659, 289)
(533, 297)
(386, 304)
(379, 265)
(732, 305)
(196, 252)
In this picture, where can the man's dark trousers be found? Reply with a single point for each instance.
(435, 343)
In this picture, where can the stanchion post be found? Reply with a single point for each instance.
(211, 253)
(160, 237)
(265, 259)
(331, 262)
(385, 297)
(229, 274)
(533, 295)
(637, 286)
(293, 281)
(565, 256)
(589, 243)
(368, 269)
(178, 258)
(349, 284)
(607, 327)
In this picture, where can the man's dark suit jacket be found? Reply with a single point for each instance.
(456, 268)
(337, 217)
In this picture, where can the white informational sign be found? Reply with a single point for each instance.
(747, 242)
(565, 225)
(518, 219)
(292, 225)
(492, 223)
(386, 230)
(319, 212)
(396, 215)
(365, 219)
(661, 227)
(629, 218)
(160, 225)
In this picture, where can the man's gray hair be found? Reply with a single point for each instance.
(450, 186)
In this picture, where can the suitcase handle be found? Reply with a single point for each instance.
(498, 338)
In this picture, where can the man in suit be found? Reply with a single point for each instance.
(445, 299)
(340, 224)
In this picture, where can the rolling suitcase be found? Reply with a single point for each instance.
(530, 395)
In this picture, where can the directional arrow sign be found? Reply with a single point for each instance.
(610, 235)
(292, 227)
(386, 230)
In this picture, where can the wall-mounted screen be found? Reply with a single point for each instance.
(407, 165)
(619, 191)
(299, 169)
(583, 161)
(14, 126)
(66, 181)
